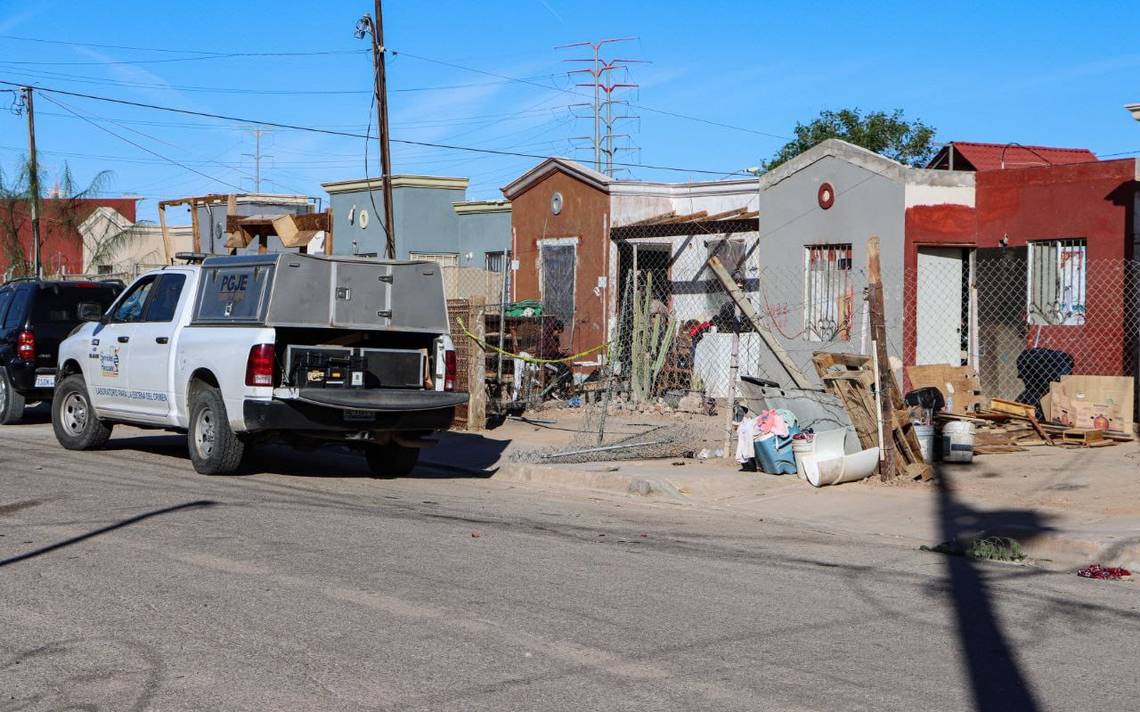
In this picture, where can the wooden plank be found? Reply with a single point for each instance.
(166, 248)
(477, 365)
(1022, 410)
(799, 380)
(879, 338)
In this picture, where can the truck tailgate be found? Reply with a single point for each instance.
(381, 399)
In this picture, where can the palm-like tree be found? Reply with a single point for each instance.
(67, 214)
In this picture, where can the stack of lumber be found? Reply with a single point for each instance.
(851, 379)
(1008, 426)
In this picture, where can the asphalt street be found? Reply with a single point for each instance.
(128, 582)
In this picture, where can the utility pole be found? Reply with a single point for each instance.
(33, 181)
(374, 25)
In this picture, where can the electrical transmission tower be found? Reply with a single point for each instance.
(257, 155)
(602, 82)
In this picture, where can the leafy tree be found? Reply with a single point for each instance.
(66, 212)
(890, 134)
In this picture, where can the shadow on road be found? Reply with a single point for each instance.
(458, 455)
(996, 679)
(197, 504)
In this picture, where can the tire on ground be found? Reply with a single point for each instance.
(73, 419)
(215, 449)
(391, 460)
(11, 402)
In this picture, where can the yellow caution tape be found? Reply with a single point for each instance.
(528, 359)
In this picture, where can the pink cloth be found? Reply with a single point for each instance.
(770, 421)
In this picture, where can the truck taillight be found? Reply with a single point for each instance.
(26, 346)
(261, 365)
(449, 370)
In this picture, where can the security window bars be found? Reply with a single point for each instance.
(1057, 276)
(497, 261)
(828, 299)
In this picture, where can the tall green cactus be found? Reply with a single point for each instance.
(650, 343)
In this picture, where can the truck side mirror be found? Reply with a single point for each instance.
(89, 311)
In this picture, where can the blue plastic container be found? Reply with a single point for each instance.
(774, 455)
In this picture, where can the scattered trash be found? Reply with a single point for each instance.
(574, 402)
(678, 463)
(1111, 573)
(990, 548)
(475, 535)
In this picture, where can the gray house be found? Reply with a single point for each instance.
(817, 213)
(433, 221)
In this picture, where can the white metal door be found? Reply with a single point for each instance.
(940, 316)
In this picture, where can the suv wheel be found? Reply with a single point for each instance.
(73, 419)
(391, 460)
(215, 448)
(11, 402)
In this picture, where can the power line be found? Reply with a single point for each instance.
(578, 94)
(332, 132)
(196, 58)
(87, 79)
(141, 147)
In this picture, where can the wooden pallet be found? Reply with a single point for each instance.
(851, 379)
(1084, 437)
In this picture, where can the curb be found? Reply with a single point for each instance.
(1071, 550)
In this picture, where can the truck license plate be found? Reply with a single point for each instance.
(359, 415)
(47, 381)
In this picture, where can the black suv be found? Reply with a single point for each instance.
(35, 315)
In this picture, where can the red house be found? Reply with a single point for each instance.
(61, 245)
(1046, 258)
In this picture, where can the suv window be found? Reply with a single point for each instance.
(60, 303)
(5, 300)
(164, 297)
(18, 310)
(130, 309)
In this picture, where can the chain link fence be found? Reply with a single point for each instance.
(1020, 317)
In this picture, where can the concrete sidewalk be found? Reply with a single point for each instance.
(1067, 508)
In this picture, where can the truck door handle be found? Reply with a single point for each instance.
(162, 339)
(124, 339)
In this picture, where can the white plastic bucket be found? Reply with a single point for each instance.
(925, 434)
(802, 449)
(958, 442)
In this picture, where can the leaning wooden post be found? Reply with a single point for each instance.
(477, 364)
(166, 248)
(879, 341)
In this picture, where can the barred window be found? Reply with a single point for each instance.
(497, 261)
(1056, 276)
(828, 301)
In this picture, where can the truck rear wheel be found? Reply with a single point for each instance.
(11, 402)
(391, 460)
(73, 419)
(215, 448)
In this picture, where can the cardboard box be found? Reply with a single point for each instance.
(1102, 402)
(962, 379)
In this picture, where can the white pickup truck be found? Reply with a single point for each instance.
(238, 350)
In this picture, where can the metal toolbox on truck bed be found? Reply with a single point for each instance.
(315, 291)
(353, 367)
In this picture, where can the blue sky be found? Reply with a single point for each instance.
(1050, 75)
